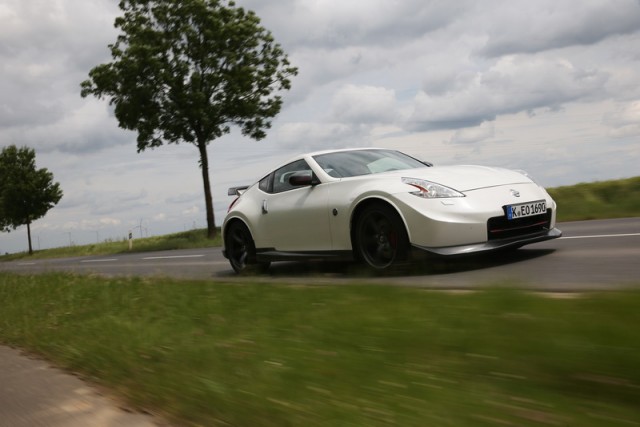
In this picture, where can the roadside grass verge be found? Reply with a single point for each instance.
(182, 240)
(243, 354)
(598, 200)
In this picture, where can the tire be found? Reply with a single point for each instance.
(381, 239)
(241, 250)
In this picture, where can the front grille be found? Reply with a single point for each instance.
(500, 227)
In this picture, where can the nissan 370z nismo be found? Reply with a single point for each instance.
(379, 206)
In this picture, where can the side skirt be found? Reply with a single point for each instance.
(270, 254)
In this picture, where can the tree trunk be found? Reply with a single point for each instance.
(29, 237)
(208, 200)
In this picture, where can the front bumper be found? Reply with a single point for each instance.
(493, 245)
(477, 220)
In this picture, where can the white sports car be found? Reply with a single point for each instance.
(378, 206)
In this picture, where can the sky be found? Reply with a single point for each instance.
(548, 86)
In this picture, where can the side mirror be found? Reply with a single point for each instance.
(303, 180)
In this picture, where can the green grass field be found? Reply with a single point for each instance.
(216, 354)
(598, 200)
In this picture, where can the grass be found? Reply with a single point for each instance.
(183, 240)
(215, 354)
(598, 200)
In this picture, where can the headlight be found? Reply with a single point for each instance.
(431, 190)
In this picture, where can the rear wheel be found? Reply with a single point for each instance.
(380, 237)
(241, 250)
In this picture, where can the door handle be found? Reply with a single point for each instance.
(265, 208)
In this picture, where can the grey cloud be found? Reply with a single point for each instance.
(364, 105)
(92, 141)
(444, 79)
(121, 202)
(46, 50)
(306, 137)
(72, 201)
(529, 27)
(473, 135)
(333, 39)
(336, 23)
(184, 198)
(102, 202)
(513, 85)
(624, 120)
(72, 133)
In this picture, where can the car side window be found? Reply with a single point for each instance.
(282, 175)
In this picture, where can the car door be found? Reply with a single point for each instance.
(295, 218)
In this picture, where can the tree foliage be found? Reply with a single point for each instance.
(185, 71)
(26, 193)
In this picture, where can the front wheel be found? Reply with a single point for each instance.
(241, 250)
(380, 237)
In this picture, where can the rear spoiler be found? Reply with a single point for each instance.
(237, 191)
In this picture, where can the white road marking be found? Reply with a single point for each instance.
(601, 236)
(27, 263)
(100, 260)
(173, 257)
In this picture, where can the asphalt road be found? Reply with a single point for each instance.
(603, 254)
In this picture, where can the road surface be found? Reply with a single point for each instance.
(591, 255)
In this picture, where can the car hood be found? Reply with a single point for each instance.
(465, 177)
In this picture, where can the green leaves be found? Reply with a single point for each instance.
(26, 193)
(185, 71)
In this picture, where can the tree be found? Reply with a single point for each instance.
(26, 193)
(186, 70)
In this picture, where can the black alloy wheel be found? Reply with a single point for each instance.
(241, 249)
(381, 239)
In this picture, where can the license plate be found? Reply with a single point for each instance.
(522, 210)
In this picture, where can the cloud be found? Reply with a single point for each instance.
(512, 85)
(87, 224)
(336, 23)
(530, 27)
(303, 137)
(624, 121)
(46, 50)
(184, 198)
(473, 135)
(105, 200)
(192, 211)
(364, 104)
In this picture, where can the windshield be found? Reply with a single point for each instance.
(344, 164)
